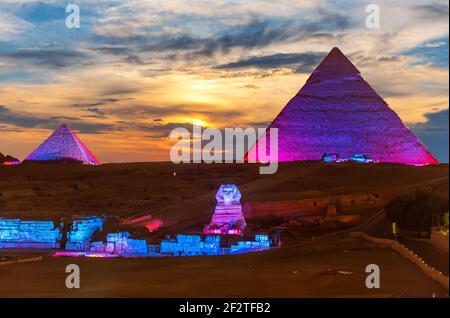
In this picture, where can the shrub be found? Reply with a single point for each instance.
(415, 211)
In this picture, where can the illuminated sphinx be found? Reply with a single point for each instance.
(228, 217)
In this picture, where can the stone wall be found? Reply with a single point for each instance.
(190, 245)
(431, 272)
(81, 233)
(120, 244)
(261, 242)
(15, 233)
(296, 208)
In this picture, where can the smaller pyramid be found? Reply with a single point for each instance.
(8, 160)
(63, 145)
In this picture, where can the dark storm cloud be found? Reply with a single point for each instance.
(119, 90)
(20, 119)
(158, 131)
(95, 109)
(101, 102)
(433, 11)
(434, 133)
(146, 111)
(45, 58)
(259, 124)
(61, 118)
(258, 32)
(126, 54)
(28, 120)
(5, 128)
(302, 62)
(92, 128)
(177, 43)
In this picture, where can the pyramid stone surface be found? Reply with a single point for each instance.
(63, 144)
(337, 111)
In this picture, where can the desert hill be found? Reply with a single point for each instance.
(183, 195)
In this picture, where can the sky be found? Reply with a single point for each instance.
(136, 69)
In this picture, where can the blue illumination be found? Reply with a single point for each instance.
(359, 157)
(82, 231)
(15, 233)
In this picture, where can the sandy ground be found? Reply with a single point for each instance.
(183, 195)
(308, 271)
(44, 191)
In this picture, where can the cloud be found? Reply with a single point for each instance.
(28, 120)
(261, 33)
(434, 52)
(251, 32)
(434, 133)
(433, 11)
(158, 131)
(101, 102)
(11, 26)
(47, 58)
(20, 119)
(302, 62)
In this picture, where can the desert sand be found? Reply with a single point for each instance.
(183, 196)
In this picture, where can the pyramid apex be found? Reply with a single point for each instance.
(336, 49)
(336, 65)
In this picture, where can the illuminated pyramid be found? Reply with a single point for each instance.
(337, 112)
(63, 145)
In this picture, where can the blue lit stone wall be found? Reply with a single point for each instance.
(15, 233)
(121, 244)
(185, 245)
(261, 242)
(81, 233)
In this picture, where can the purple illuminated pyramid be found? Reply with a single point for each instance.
(337, 112)
(63, 145)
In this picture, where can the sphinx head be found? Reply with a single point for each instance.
(228, 194)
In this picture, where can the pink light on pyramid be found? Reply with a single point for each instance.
(337, 111)
(63, 144)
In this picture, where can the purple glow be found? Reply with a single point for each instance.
(223, 231)
(337, 112)
(84, 254)
(63, 144)
(11, 163)
(228, 217)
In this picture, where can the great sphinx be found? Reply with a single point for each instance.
(228, 217)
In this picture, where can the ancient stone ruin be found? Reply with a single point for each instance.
(63, 145)
(337, 112)
(15, 233)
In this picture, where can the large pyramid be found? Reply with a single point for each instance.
(63, 144)
(337, 112)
